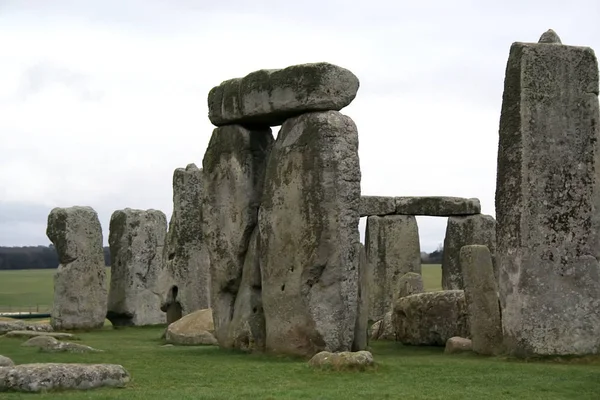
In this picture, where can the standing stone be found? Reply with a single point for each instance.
(547, 201)
(309, 235)
(361, 329)
(186, 279)
(234, 167)
(136, 241)
(410, 283)
(79, 282)
(481, 295)
(392, 247)
(463, 231)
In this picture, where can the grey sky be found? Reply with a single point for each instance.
(102, 100)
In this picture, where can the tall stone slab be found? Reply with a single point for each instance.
(186, 278)
(234, 167)
(463, 231)
(136, 241)
(481, 296)
(392, 248)
(548, 200)
(309, 235)
(361, 329)
(80, 280)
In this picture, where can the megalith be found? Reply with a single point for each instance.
(547, 200)
(80, 280)
(410, 283)
(462, 231)
(392, 248)
(309, 235)
(136, 239)
(185, 284)
(481, 296)
(361, 329)
(234, 167)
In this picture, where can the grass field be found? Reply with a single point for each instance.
(403, 372)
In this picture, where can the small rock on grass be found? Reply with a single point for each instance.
(458, 344)
(345, 360)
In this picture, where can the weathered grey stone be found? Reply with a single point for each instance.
(410, 283)
(193, 329)
(430, 318)
(344, 360)
(384, 328)
(54, 376)
(481, 295)
(392, 247)
(80, 280)
(186, 279)
(377, 205)
(269, 97)
(234, 166)
(247, 327)
(550, 37)
(457, 344)
(17, 325)
(6, 362)
(361, 329)
(463, 231)
(309, 234)
(437, 206)
(24, 334)
(547, 201)
(49, 344)
(136, 241)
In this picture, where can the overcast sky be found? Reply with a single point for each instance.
(101, 100)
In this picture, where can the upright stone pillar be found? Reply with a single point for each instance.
(392, 248)
(80, 281)
(463, 231)
(548, 200)
(136, 241)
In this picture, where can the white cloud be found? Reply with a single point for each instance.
(101, 102)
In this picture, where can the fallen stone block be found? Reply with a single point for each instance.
(345, 360)
(24, 334)
(457, 344)
(194, 329)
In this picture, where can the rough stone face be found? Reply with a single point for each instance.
(247, 327)
(392, 247)
(186, 279)
(344, 360)
(24, 334)
(49, 344)
(54, 376)
(463, 231)
(80, 280)
(234, 167)
(481, 295)
(136, 243)
(457, 344)
(309, 235)
(6, 362)
(17, 325)
(361, 329)
(547, 201)
(269, 97)
(430, 318)
(377, 205)
(384, 328)
(194, 329)
(550, 37)
(437, 206)
(410, 283)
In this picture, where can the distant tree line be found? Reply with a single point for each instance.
(435, 257)
(34, 257)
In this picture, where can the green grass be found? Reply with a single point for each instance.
(403, 372)
(432, 277)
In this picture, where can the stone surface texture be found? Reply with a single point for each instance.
(430, 318)
(547, 201)
(55, 376)
(463, 231)
(392, 249)
(186, 258)
(361, 329)
(481, 295)
(6, 362)
(136, 241)
(344, 360)
(269, 97)
(457, 344)
(234, 167)
(384, 328)
(437, 206)
(49, 344)
(410, 283)
(80, 281)
(25, 334)
(194, 329)
(377, 205)
(309, 235)
(18, 325)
